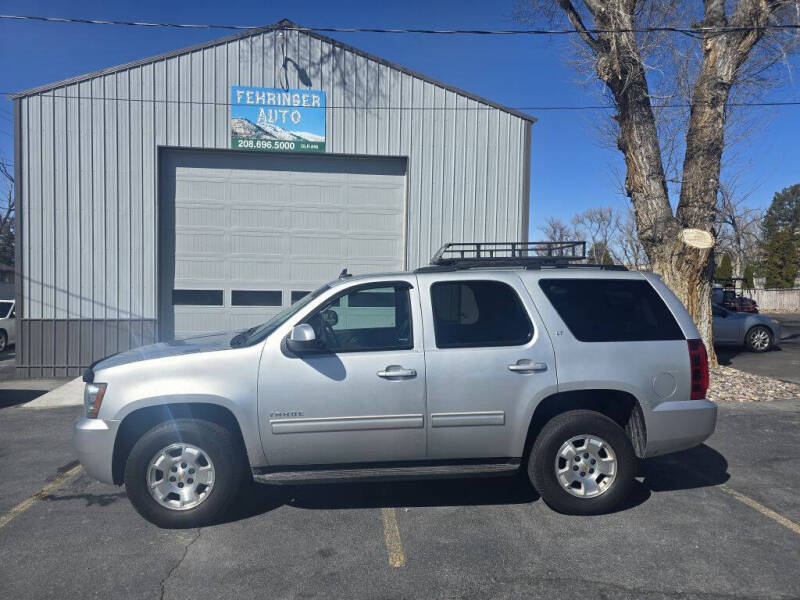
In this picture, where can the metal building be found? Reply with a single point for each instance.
(206, 188)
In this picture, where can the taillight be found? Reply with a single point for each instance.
(698, 362)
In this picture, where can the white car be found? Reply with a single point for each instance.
(8, 324)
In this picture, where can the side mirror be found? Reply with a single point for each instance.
(303, 339)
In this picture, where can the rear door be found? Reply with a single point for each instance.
(488, 360)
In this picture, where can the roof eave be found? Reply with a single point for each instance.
(283, 24)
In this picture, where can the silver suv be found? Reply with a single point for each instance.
(467, 367)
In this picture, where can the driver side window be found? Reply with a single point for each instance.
(368, 318)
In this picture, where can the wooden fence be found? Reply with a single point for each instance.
(780, 300)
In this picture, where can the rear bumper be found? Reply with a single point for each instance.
(674, 426)
(94, 442)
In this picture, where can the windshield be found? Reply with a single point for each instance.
(5, 309)
(260, 332)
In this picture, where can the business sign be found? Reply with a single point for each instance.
(276, 120)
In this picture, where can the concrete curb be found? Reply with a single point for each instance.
(69, 394)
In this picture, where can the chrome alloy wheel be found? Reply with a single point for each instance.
(586, 466)
(759, 339)
(180, 476)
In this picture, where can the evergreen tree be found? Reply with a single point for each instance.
(724, 269)
(780, 259)
(748, 277)
(780, 244)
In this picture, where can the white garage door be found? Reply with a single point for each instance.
(243, 235)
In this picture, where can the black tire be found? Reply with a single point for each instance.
(3, 341)
(542, 460)
(754, 339)
(225, 452)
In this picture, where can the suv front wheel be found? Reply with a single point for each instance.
(582, 463)
(184, 473)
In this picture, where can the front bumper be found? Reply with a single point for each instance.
(677, 425)
(94, 442)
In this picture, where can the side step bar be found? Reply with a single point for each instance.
(391, 471)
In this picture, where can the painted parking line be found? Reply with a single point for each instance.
(767, 512)
(20, 508)
(391, 535)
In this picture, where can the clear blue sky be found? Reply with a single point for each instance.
(571, 169)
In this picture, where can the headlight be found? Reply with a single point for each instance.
(92, 398)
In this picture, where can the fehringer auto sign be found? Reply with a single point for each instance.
(277, 120)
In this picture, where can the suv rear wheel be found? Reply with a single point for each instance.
(184, 473)
(582, 463)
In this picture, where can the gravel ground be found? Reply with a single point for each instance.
(732, 385)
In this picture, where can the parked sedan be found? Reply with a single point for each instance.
(758, 333)
(8, 325)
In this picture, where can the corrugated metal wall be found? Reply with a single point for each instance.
(88, 174)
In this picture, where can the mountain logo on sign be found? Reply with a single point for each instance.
(244, 128)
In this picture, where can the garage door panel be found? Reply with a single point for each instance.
(198, 269)
(263, 193)
(264, 219)
(316, 246)
(257, 271)
(268, 223)
(373, 197)
(194, 320)
(316, 220)
(261, 244)
(372, 221)
(245, 320)
(320, 194)
(188, 243)
(198, 190)
(375, 248)
(201, 215)
(314, 271)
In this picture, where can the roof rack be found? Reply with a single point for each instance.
(531, 255)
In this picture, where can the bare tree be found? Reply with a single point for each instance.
(6, 216)
(708, 66)
(600, 227)
(555, 230)
(630, 248)
(7, 205)
(737, 227)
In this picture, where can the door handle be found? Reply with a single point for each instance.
(526, 366)
(396, 371)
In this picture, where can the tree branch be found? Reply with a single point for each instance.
(577, 23)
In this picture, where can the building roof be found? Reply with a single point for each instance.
(284, 24)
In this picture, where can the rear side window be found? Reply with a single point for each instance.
(611, 310)
(478, 313)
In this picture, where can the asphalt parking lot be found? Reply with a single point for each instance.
(718, 521)
(782, 362)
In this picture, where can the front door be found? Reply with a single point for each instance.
(361, 399)
(489, 361)
(726, 326)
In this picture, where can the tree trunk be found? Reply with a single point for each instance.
(685, 265)
(680, 246)
(738, 262)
